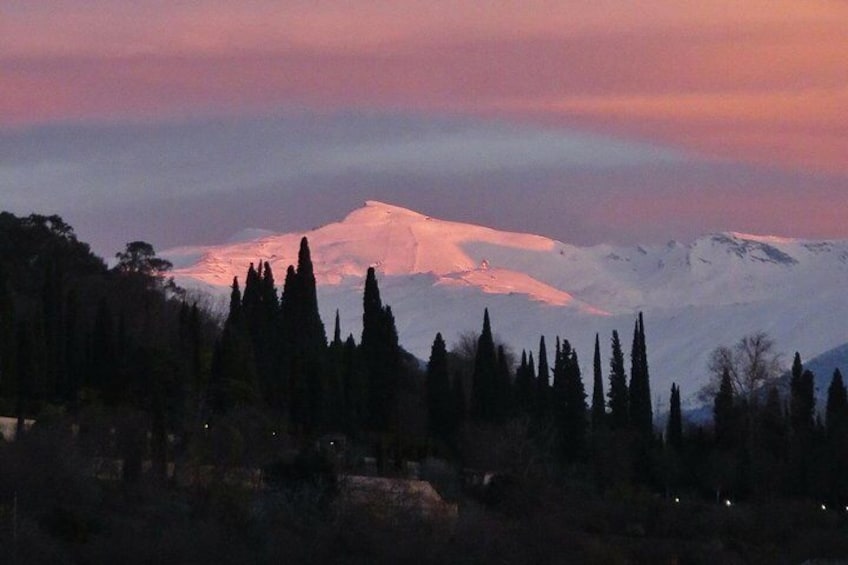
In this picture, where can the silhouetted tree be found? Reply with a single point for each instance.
(639, 392)
(381, 356)
(618, 402)
(524, 385)
(543, 386)
(674, 427)
(439, 399)
(802, 402)
(484, 381)
(574, 417)
(724, 413)
(599, 412)
(836, 412)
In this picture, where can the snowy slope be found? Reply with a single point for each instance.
(439, 275)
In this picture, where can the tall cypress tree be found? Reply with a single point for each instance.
(524, 385)
(484, 396)
(618, 402)
(381, 356)
(337, 331)
(353, 387)
(439, 398)
(302, 358)
(674, 427)
(802, 402)
(574, 421)
(836, 413)
(837, 436)
(312, 329)
(542, 380)
(251, 302)
(558, 390)
(233, 379)
(266, 337)
(371, 311)
(234, 313)
(724, 416)
(598, 404)
(639, 394)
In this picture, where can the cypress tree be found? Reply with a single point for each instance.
(558, 390)
(337, 331)
(836, 413)
(265, 334)
(234, 380)
(618, 402)
(543, 373)
(837, 436)
(270, 302)
(561, 353)
(313, 327)
(251, 302)
(353, 388)
(371, 312)
(484, 396)
(724, 420)
(234, 313)
(542, 380)
(598, 405)
(574, 406)
(641, 413)
(302, 359)
(674, 427)
(439, 398)
(802, 402)
(381, 356)
(796, 418)
(797, 368)
(524, 385)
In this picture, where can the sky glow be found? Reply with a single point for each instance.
(756, 89)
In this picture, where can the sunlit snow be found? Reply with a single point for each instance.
(439, 275)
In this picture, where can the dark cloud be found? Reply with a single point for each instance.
(202, 181)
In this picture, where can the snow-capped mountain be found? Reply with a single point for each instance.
(439, 275)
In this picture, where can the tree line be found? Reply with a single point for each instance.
(97, 344)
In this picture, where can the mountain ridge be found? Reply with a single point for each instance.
(439, 275)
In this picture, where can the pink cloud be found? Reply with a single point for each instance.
(759, 80)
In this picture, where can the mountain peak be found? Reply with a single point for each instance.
(386, 207)
(375, 210)
(397, 242)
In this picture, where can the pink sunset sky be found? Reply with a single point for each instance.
(731, 114)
